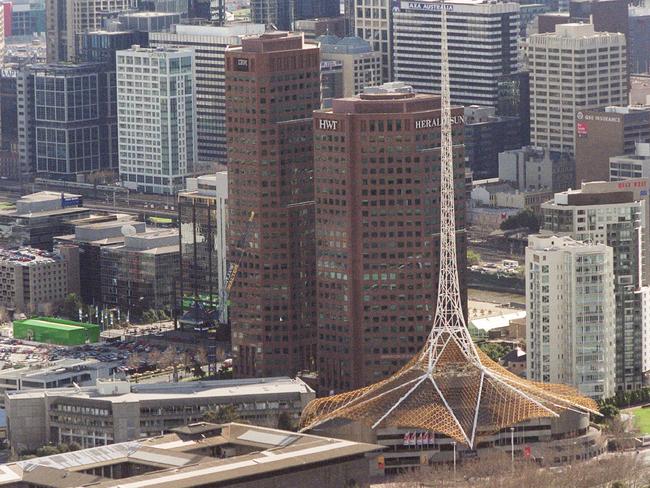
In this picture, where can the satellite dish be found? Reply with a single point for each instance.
(128, 230)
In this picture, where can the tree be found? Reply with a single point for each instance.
(473, 258)
(170, 358)
(609, 411)
(70, 306)
(284, 422)
(221, 414)
(526, 218)
(494, 350)
(133, 361)
(154, 357)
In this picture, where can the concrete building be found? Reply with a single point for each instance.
(606, 132)
(571, 314)
(315, 9)
(2, 34)
(90, 238)
(202, 454)
(628, 166)
(142, 274)
(27, 18)
(117, 411)
(39, 217)
(536, 168)
(157, 118)
(203, 223)
(69, 123)
(361, 65)
(270, 173)
(332, 85)
(372, 20)
(483, 39)
(614, 218)
(209, 44)
(67, 18)
(313, 28)
(149, 21)
(572, 69)
(32, 279)
(374, 222)
(55, 374)
(486, 135)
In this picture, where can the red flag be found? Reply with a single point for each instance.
(405, 442)
(419, 439)
(527, 451)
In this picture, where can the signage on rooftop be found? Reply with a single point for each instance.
(430, 6)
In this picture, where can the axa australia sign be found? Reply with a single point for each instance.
(429, 6)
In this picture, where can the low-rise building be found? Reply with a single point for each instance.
(202, 454)
(39, 217)
(32, 279)
(536, 168)
(55, 374)
(117, 411)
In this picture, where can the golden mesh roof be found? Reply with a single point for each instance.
(458, 397)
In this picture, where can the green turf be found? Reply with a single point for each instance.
(642, 419)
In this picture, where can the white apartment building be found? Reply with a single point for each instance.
(373, 22)
(156, 118)
(483, 37)
(572, 69)
(614, 218)
(571, 324)
(209, 44)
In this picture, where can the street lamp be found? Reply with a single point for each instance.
(512, 447)
(454, 443)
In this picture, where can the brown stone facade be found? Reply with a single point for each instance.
(377, 186)
(272, 88)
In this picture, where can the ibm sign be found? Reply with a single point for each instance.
(429, 6)
(326, 124)
(241, 64)
(429, 123)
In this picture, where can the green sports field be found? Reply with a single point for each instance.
(642, 419)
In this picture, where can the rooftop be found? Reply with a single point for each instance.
(168, 391)
(179, 458)
(28, 256)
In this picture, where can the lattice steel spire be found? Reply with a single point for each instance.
(451, 387)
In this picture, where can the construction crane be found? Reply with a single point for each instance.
(231, 277)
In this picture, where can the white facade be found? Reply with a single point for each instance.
(372, 22)
(483, 39)
(572, 69)
(156, 118)
(570, 335)
(209, 44)
(2, 34)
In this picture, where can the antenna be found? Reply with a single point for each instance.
(128, 230)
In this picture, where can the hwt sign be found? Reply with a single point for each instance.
(326, 124)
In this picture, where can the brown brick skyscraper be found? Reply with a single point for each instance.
(377, 169)
(272, 88)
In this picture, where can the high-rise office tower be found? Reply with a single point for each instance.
(571, 309)
(373, 22)
(615, 218)
(67, 18)
(156, 118)
(67, 123)
(276, 13)
(638, 39)
(272, 88)
(377, 172)
(2, 33)
(209, 44)
(572, 69)
(483, 38)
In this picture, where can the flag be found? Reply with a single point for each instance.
(405, 442)
(425, 439)
(419, 439)
(527, 451)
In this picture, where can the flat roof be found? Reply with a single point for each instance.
(180, 463)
